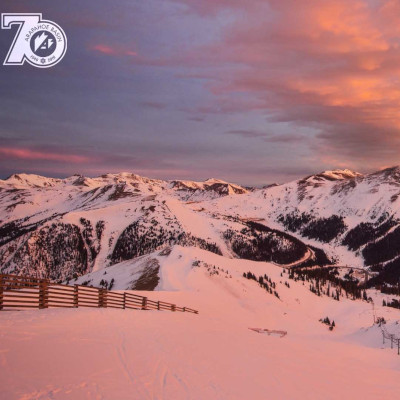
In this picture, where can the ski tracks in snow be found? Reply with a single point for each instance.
(160, 384)
(168, 384)
(137, 386)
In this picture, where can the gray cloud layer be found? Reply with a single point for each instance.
(227, 88)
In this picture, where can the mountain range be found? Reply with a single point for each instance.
(66, 228)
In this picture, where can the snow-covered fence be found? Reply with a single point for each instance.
(22, 292)
(394, 341)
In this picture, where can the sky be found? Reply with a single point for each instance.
(250, 91)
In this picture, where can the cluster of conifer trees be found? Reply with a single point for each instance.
(322, 229)
(260, 243)
(264, 281)
(143, 237)
(328, 322)
(325, 281)
(394, 303)
(366, 232)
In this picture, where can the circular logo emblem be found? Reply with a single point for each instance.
(43, 44)
(47, 43)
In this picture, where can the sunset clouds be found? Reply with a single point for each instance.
(33, 155)
(332, 65)
(112, 50)
(171, 85)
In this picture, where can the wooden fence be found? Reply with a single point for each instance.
(22, 292)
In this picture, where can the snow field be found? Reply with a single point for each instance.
(117, 354)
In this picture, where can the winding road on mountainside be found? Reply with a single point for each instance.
(310, 254)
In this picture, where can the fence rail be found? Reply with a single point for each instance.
(23, 292)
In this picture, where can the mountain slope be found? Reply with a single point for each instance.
(349, 215)
(64, 228)
(125, 354)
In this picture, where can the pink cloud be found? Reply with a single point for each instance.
(113, 50)
(333, 66)
(28, 154)
(103, 49)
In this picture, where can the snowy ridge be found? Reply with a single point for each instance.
(117, 217)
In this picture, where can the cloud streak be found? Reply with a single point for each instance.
(35, 155)
(112, 50)
(267, 137)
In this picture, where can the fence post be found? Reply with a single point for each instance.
(391, 341)
(100, 298)
(184, 309)
(144, 303)
(158, 305)
(105, 291)
(43, 294)
(1, 292)
(76, 294)
(124, 304)
(173, 307)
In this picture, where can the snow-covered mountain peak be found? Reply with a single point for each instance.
(131, 177)
(336, 175)
(29, 180)
(218, 186)
(386, 175)
(211, 181)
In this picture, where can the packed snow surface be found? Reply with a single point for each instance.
(126, 354)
